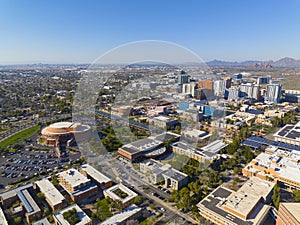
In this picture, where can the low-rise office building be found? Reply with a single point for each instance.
(32, 210)
(247, 206)
(158, 172)
(288, 213)
(120, 193)
(192, 152)
(130, 213)
(11, 196)
(29, 208)
(99, 178)
(60, 220)
(79, 187)
(54, 198)
(204, 154)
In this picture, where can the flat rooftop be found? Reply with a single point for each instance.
(284, 162)
(74, 177)
(215, 146)
(289, 131)
(149, 143)
(257, 142)
(13, 193)
(95, 174)
(42, 222)
(131, 194)
(193, 149)
(174, 174)
(293, 208)
(28, 202)
(164, 118)
(214, 201)
(50, 191)
(123, 215)
(246, 198)
(83, 217)
(196, 133)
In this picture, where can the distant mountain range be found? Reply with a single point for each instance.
(284, 62)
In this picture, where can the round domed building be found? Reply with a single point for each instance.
(65, 133)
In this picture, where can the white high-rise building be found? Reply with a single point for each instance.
(233, 93)
(219, 87)
(190, 88)
(250, 90)
(256, 92)
(273, 93)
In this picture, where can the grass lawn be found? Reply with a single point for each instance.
(19, 137)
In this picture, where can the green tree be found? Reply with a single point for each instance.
(276, 196)
(137, 200)
(297, 195)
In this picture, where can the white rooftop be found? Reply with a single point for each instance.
(50, 191)
(214, 146)
(246, 198)
(74, 177)
(285, 163)
(131, 194)
(196, 133)
(61, 125)
(121, 216)
(95, 174)
(83, 217)
(43, 221)
(3, 220)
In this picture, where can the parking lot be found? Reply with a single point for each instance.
(24, 164)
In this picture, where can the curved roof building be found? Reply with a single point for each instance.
(64, 133)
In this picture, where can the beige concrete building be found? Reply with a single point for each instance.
(54, 198)
(247, 206)
(96, 176)
(79, 187)
(288, 213)
(278, 166)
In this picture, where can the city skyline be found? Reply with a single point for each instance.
(61, 32)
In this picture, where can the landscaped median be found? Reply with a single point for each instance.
(19, 137)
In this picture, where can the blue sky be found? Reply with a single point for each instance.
(76, 31)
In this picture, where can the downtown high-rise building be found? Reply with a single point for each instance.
(205, 89)
(190, 88)
(273, 93)
(232, 93)
(250, 90)
(219, 87)
(183, 79)
(264, 80)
